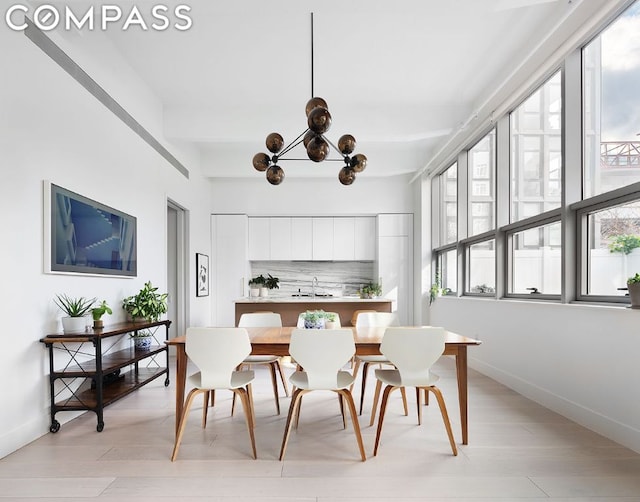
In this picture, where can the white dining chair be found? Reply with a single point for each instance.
(413, 351)
(217, 352)
(265, 320)
(322, 354)
(380, 320)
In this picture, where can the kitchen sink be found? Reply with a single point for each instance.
(318, 295)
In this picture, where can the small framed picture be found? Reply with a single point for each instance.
(202, 274)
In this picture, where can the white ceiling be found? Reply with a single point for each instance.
(400, 76)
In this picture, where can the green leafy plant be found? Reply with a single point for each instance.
(74, 307)
(102, 309)
(436, 288)
(257, 281)
(272, 282)
(329, 316)
(634, 279)
(624, 243)
(370, 290)
(147, 304)
(143, 333)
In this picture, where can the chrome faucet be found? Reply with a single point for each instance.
(314, 283)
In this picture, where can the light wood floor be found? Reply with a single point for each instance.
(518, 451)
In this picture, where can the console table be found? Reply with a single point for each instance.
(93, 369)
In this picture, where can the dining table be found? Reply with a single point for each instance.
(275, 341)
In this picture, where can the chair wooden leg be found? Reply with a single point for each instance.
(293, 411)
(284, 379)
(376, 397)
(365, 370)
(383, 408)
(274, 382)
(213, 397)
(345, 396)
(426, 397)
(233, 404)
(344, 417)
(419, 404)
(445, 417)
(183, 421)
(205, 408)
(248, 412)
(356, 366)
(404, 401)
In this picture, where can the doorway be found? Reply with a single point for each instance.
(177, 267)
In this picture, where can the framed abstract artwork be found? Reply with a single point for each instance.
(202, 274)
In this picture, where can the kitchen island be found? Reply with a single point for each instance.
(290, 308)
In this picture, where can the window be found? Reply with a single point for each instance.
(449, 210)
(613, 248)
(535, 260)
(536, 147)
(447, 265)
(482, 168)
(481, 268)
(611, 64)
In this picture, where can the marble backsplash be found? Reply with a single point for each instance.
(337, 278)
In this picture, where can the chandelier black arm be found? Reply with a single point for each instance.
(334, 146)
(292, 145)
(307, 158)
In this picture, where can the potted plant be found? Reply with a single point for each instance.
(147, 305)
(76, 310)
(314, 319)
(269, 283)
(255, 284)
(633, 285)
(370, 290)
(142, 339)
(330, 319)
(98, 312)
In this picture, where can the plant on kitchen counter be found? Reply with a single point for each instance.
(258, 281)
(272, 282)
(370, 290)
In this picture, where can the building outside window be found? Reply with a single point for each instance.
(482, 169)
(449, 209)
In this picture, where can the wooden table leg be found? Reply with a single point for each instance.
(461, 369)
(181, 379)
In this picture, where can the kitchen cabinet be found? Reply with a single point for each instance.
(301, 239)
(230, 265)
(280, 243)
(259, 238)
(343, 238)
(395, 262)
(322, 238)
(364, 231)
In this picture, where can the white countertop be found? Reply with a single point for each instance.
(310, 299)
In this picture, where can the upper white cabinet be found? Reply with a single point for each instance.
(312, 238)
(364, 232)
(301, 239)
(343, 239)
(322, 238)
(259, 239)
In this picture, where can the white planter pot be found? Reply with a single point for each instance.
(74, 324)
(264, 292)
(253, 292)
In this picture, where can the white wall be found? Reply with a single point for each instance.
(52, 128)
(579, 360)
(320, 196)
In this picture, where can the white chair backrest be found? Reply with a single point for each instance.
(376, 319)
(413, 351)
(260, 320)
(217, 352)
(322, 353)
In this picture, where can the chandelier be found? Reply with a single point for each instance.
(315, 142)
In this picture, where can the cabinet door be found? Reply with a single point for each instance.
(280, 234)
(301, 239)
(230, 267)
(365, 238)
(259, 239)
(343, 238)
(322, 238)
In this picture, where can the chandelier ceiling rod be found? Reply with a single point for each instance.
(314, 140)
